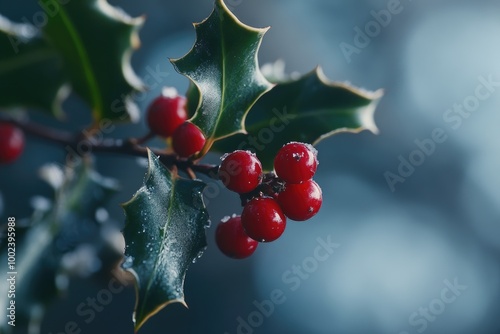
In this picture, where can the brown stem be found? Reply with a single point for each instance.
(41, 131)
(270, 186)
(130, 147)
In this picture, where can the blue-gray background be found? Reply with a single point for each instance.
(397, 248)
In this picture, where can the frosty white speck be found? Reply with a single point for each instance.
(40, 203)
(128, 261)
(200, 254)
(52, 174)
(169, 92)
(142, 162)
(101, 215)
(225, 219)
(312, 149)
(82, 262)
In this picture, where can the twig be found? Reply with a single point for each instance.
(130, 147)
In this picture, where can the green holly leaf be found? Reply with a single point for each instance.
(164, 234)
(223, 65)
(52, 231)
(31, 73)
(193, 98)
(96, 41)
(309, 110)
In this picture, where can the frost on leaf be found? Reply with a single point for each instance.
(164, 234)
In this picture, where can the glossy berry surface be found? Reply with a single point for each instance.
(240, 171)
(296, 162)
(263, 219)
(301, 201)
(11, 142)
(187, 140)
(166, 113)
(232, 239)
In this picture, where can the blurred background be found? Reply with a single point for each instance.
(414, 252)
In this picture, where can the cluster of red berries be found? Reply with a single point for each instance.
(268, 199)
(11, 142)
(166, 117)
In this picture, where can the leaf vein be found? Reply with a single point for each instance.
(87, 66)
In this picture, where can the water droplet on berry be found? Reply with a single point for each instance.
(312, 149)
(225, 219)
(297, 156)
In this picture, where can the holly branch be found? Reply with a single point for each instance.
(129, 146)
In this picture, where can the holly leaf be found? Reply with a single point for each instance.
(193, 98)
(52, 231)
(96, 41)
(223, 65)
(164, 234)
(31, 73)
(309, 110)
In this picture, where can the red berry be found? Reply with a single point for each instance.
(166, 113)
(296, 162)
(300, 201)
(263, 219)
(232, 239)
(240, 171)
(188, 140)
(11, 142)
